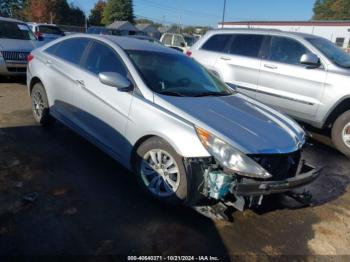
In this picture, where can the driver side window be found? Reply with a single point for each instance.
(286, 50)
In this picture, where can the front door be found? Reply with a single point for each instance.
(103, 110)
(286, 84)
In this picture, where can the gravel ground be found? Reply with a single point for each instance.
(84, 203)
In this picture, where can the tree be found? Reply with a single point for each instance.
(331, 10)
(118, 10)
(56, 11)
(12, 8)
(96, 14)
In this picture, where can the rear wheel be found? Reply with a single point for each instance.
(160, 171)
(40, 105)
(341, 133)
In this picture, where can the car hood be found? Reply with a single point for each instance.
(17, 45)
(246, 124)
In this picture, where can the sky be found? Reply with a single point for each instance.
(209, 12)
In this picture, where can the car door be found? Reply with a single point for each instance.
(239, 65)
(103, 110)
(210, 50)
(61, 70)
(285, 83)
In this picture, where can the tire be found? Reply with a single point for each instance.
(172, 185)
(340, 129)
(40, 105)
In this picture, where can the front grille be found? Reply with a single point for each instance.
(280, 166)
(15, 56)
(17, 69)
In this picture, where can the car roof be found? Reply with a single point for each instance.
(10, 20)
(128, 43)
(260, 31)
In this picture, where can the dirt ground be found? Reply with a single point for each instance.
(60, 195)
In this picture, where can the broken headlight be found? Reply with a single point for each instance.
(231, 158)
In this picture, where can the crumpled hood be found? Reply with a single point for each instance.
(248, 125)
(17, 45)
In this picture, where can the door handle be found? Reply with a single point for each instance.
(81, 83)
(225, 58)
(48, 63)
(270, 66)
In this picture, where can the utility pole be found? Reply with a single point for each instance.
(223, 14)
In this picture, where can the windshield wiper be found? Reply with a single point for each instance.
(170, 93)
(212, 94)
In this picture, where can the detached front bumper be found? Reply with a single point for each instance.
(258, 188)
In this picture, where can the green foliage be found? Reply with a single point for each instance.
(331, 10)
(12, 8)
(118, 10)
(96, 14)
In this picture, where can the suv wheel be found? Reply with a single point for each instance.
(341, 133)
(40, 105)
(161, 172)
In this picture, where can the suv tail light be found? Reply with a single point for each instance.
(30, 57)
(189, 53)
(38, 34)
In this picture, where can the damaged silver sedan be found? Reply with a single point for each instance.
(185, 134)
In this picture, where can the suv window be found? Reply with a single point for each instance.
(102, 58)
(70, 50)
(178, 40)
(46, 29)
(286, 50)
(246, 45)
(217, 43)
(167, 39)
(13, 30)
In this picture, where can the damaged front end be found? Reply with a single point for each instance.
(244, 181)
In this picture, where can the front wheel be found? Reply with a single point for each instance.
(341, 133)
(161, 172)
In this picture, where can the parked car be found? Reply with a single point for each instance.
(48, 32)
(16, 42)
(101, 30)
(181, 130)
(175, 41)
(304, 75)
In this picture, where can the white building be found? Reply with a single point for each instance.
(336, 31)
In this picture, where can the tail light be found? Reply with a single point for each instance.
(189, 53)
(30, 57)
(38, 34)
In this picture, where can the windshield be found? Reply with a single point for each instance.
(12, 30)
(333, 52)
(46, 29)
(176, 75)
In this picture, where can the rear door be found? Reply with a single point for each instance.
(286, 84)
(103, 110)
(207, 54)
(239, 64)
(60, 71)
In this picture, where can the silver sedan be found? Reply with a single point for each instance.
(186, 135)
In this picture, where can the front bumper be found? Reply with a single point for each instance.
(259, 188)
(12, 68)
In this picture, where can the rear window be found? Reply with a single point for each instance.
(246, 45)
(167, 39)
(46, 29)
(12, 30)
(217, 43)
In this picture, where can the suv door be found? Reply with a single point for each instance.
(239, 64)
(103, 110)
(210, 50)
(287, 84)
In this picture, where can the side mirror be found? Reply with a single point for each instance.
(310, 59)
(115, 80)
(182, 44)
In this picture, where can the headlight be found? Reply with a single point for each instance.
(230, 157)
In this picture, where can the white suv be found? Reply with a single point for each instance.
(304, 75)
